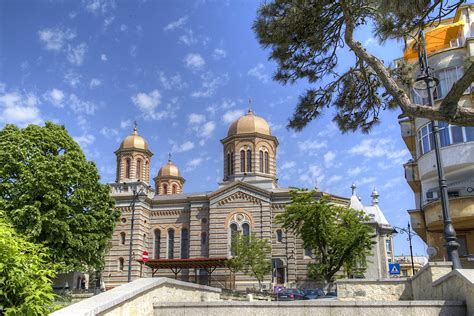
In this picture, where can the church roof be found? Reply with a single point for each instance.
(249, 123)
(134, 141)
(373, 211)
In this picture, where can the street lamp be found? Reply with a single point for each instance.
(136, 195)
(410, 233)
(427, 82)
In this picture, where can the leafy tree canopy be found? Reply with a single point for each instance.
(336, 234)
(251, 256)
(51, 193)
(305, 37)
(25, 275)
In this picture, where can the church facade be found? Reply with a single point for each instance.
(170, 223)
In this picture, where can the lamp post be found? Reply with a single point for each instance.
(427, 82)
(410, 233)
(132, 204)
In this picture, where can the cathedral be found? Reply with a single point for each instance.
(187, 235)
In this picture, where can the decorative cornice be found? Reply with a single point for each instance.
(169, 212)
(239, 196)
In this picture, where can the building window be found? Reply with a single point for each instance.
(184, 243)
(308, 252)
(448, 134)
(405, 273)
(122, 238)
(233, 232)
(267, 165)
(171, 243)
(127, 168)
(388, 245)
(203, 238)
(120, 264)
(157, 240)
(139, 169)
(232, 162)
(242, 161)
(249, 160)
(279, 235)
(165, 189)
(228, 164)
(462, 245)
(175, 189)
(261, 161)
(246, 229)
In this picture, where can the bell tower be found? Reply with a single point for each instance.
(169, 179)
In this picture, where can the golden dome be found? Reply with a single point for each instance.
(134, 141)
(169, 170)
(249, 123)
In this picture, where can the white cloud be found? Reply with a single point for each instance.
(188, 145)
(312, 176)
(232, 115)
(81, 107)
(20, 109)
(311, 147)
(188, 38)
(109, 132)
(259, 73)
(329, 157)
(133, 50)
(147, 102)
(54, 39)
(366, 180)
(354, 171)
(195, 118)
(207, 129)
(103, 57)
(194, 61)
(95, 83)
(99, 6)
(334, 179)
(55, 97)
(288, 165)
(209, 85)
(73, 79)
(85, 140)
(75, 55)
(380, 148)
(194, 163)
(125, 124)
(174, 82)
(219, 53)
(176, 24)
(123, 27)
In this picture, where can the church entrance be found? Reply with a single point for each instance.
(278, 275)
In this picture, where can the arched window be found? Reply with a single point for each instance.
(279, 235)
(249, 160)
(203, 238)
(233, 232)
(122, 238)
(156, 248)
(261, 161)
(267, 165)
(165, 189)
(184, 243)
(127, 168)
(170, 243)
(174, 189)
(120, 264)
(245, 229)
(232, 162)
(139, 169)
(228, 164)
(242, 161)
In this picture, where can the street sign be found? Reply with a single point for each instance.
(145, 256)
(394, 268)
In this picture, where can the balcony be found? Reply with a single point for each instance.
(412, 175)
(418, 223)
(461, 210)
(407, 127)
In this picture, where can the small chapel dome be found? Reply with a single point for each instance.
(249, 123)
(169, 170)
(134, 141)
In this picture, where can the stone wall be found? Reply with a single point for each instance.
(374, 290)
(313, 308)
(138, 297)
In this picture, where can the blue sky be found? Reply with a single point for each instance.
(184, 70)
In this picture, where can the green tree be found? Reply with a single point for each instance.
(25, 275)
(336, 234)
(250, 255)
(306, 36)
(51, 193)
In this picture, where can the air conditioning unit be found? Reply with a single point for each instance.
(432, 195)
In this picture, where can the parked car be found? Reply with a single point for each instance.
(291, 295)
(313, 294)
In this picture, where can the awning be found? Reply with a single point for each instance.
(191, 263)
(436, 39)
